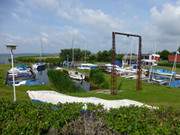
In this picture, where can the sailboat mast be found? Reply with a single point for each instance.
(131, 46)
(73, 51)
(41, 49)
(85, 53)
(151, 68)
(174, 66)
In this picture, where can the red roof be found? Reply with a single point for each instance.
(171, 58)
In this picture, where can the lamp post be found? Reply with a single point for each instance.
(11, 48)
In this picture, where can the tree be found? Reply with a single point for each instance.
(119, 57)
(104, 56)
(164, 54)
(79, 55)
(92, 58)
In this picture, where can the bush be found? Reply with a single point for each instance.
(61, 81)
(134, 120)
(35, 118)
(167, 64)
(1, 78)
(34, 59)
(97, 78)
(38, 118)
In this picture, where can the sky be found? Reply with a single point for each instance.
(88, 24)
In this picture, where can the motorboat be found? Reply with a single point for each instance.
(58, 68)
(87, 66)
(76, 75)
(163, 72)
(25, 82)
(39, 66)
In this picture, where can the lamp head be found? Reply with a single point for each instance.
(11, 46)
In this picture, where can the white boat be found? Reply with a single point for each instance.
(143, 77)
(159, 81)
(76, 75)
(58, 68)
(39, 66)
(87, 66)
(110, 66)
(18, 71)
(21, 83)
(163, 72)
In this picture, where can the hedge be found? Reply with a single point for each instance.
(38, 118)
(97, 79)
(61, 81)
(34, 59)
(168, 64)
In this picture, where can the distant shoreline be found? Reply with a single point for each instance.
(5, 56)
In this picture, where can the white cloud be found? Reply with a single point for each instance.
(91, 23)
(167, 19)
(91, 17)
(163, 29)
(72, 10)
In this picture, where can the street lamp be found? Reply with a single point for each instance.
(12, 47)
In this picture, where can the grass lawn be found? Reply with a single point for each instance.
(151, 94)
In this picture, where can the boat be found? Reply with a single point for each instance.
(87, 66)
(39, 66)
(163, 72)
(20, 83)
(59, 68)
(108, 67)
(175, 84)
(20, 71)
(25, 82)
(76, 75)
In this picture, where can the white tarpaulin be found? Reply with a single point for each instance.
(55, 97)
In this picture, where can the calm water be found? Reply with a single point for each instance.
(4, 58)
(42, 76)
(83, 84)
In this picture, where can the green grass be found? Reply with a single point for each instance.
(151, 94)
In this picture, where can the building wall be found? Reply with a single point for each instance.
(171, 58)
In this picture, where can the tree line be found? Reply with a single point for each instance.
(85, 55)
(164, 54)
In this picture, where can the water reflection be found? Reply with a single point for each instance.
(42, 76)
(83, 84)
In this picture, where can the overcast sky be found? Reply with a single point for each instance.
(89, 23)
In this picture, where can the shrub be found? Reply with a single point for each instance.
(34, 59)
(61, 81)
(167, 64)
(97, 78)
(38, 118)
(134, 120)
(35, 118)
(1, 78)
